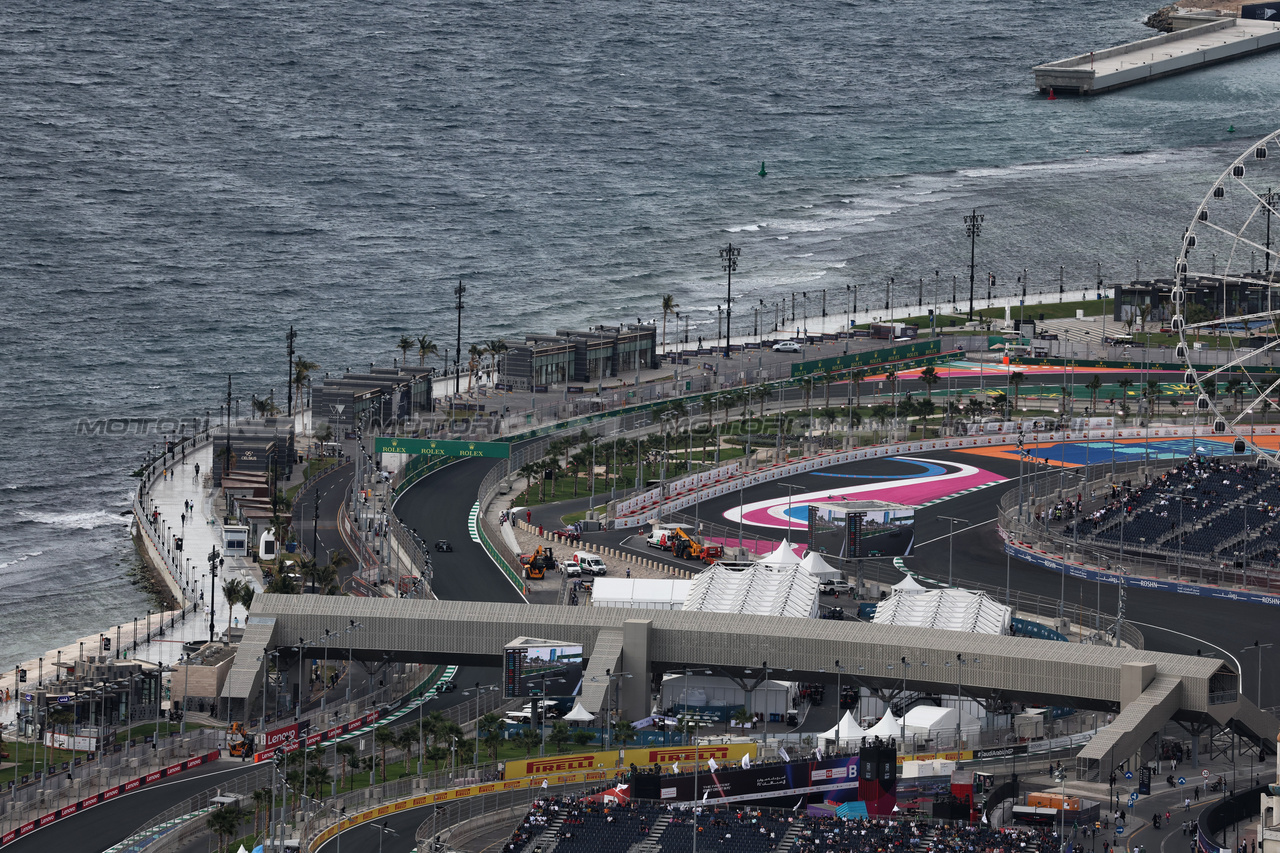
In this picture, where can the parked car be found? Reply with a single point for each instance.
(571, 569)
(787, 346)
(443, 545)
(835, 587)
(568, 533)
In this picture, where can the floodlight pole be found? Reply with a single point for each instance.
(972, 230)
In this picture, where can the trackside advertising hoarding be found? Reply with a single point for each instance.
(103, 796)
(725, 753)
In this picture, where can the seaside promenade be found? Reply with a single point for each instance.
(158, 636)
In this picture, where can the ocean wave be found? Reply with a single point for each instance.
(75, 520)
(22, 559)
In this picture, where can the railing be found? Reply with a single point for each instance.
(494, 543)
(1057, 550)
(454, 824)
(175, 817)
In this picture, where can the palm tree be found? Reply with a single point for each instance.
(924, 410)
(496, 348)
(325, 579)
(559, 735)
(857, 377)
(668, 305)
(490, 731)
(1153, 393)
(827, 378)
(975, 408)
(529, 739)
(881, 413)
(301, 376)
(581, 462)
(384, 737)
(231, 590)
(623, 731)
(929, 376)
(405, 344)
(246, 596)
(1016, 378)
(435, 754)
(261, 800)
(1094, 385)
(474, 354)
(426, 347)
(742, 717)
(891, 376)
(406, 741)
(347, 749)
(318, 777)
(1125, 384)
(225, 822)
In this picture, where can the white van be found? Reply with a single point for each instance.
(590, 564)
(662, 535)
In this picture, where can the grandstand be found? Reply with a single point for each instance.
(565, 825)
(1208, 508)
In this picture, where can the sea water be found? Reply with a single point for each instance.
(181, 182)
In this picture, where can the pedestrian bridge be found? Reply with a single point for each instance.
(1146, 689)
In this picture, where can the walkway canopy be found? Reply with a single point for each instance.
(945, 609)
(762, 591)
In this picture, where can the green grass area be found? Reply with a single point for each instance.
(1051, 311)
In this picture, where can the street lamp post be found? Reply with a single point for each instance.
(729, 262)
(214, 562)
(1258, 647)
(457, 353)
(951, 538)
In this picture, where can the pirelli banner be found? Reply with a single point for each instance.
(613, 760)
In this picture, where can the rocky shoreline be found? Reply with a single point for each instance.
(1161, 19)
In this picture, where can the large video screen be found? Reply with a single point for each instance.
(542, 668)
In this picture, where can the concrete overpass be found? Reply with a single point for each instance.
(1145, 689)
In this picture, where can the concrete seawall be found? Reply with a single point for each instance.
(1096, 72)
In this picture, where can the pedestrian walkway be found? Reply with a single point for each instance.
(175, 491)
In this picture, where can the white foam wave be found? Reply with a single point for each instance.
(22, 559)
(76, 520)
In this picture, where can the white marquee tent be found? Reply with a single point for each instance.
(763, 591)
(932, 720)
(785, 555)
(820, 568)
(846, 729)
(889, 726)
(909, 586)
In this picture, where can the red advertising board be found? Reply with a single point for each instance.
(109, 794)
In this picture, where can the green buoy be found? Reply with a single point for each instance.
(1231, 129)
(762, 172)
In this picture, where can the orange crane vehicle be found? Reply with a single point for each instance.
(239, 741)
(537, 563)
(686, 548)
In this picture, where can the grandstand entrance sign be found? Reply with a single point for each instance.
(440, 447)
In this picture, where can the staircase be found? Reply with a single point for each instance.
(552, 833)
(650, 842)
(788, 840)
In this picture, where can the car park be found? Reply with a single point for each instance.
(787, 346)
(443, 545)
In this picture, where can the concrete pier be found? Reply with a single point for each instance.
(1220, 40)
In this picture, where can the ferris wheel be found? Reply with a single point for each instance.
(1224, 287)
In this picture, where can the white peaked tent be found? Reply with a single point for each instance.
(579, 714)
(909, 586)
(820, 568)
(846, 729)
(889, 726)
(932, 720)
(785, 555)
